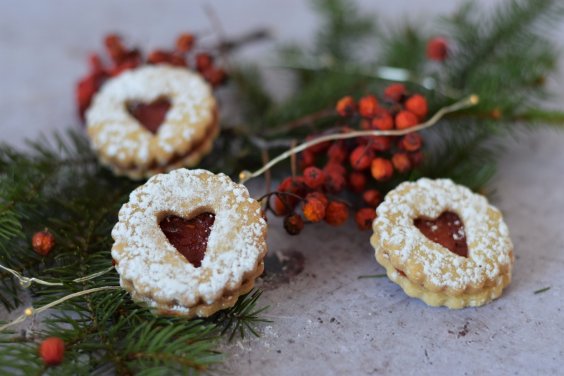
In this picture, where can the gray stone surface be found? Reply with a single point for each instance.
(325, 319)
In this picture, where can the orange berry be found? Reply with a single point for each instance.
(406, 119)
(313, 177)
(313, 209)
(401, 162)
(185, 42)
(361, 157)
(437, 49)
(417, 104)
(346, 106)
(383, 120)
(318, 196)
(372, 197)
(357, 181)
(368, 106)
(293, 224)
(43, 242)
(337, 213)
(411, 142)
(52, 351)
(395, 92)
(381, 169)
(364, 218)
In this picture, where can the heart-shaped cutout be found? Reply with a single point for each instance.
(149, 115)
(189, 236)
(447, 230)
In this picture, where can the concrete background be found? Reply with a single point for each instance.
(325, 319)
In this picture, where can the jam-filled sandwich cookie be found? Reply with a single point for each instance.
(152, 119)
(443, 244)
(189, 243)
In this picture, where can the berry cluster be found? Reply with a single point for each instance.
(358, 165)
(122, 58)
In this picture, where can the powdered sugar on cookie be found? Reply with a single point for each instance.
(154, 270)
(429, 264)
(121, 140)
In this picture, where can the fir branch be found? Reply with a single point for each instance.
(242, 317)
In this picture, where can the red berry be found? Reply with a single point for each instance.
(395, 92)
(43, 242)
(361, 157)
(437, 49)
(417, 104)
(314, 178)
(335, 182)
(372, 197)
(307, 158)
(158, 57)
(411, 142)
(282, 204)
(382, 120)
(334, 168)
(357, 181)
(416, 158)
(401, 162)
(364, 218)
(337, 152)
(346, 106)
(367, 106)
(96, 65)
(52, 351)
(185, 42)
(381, 169)
(313, 209)
(215, 76)
(380, 143)
(337, 213)
(293, 224)
(317, 148)
(406, 119)
(204, 62)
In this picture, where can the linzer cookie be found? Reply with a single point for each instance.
(189, 243)
(152, 119)
(443, 244)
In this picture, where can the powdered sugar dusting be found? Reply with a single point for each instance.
(489, 246)
(156, 270)
(120, 137)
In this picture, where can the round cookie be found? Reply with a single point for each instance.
(189, 243)
(128, 146)
(443, 244)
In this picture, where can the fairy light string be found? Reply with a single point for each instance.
(464, 103)
(26, 282)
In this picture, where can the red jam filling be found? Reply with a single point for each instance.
(189, 236)
(150, 115)
(447, 230)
